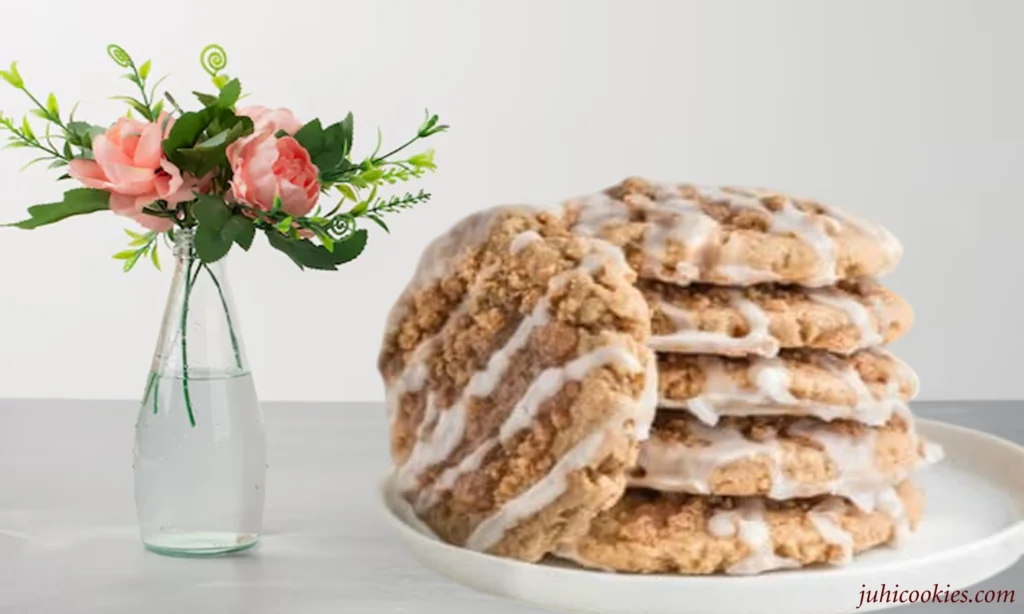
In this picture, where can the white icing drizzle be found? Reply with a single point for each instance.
(546, 386)
(522, 240)
(788, 220)
(673, 218)
(688, 339)
(434, 449)
(742, 275)
(676, 467)
(552, 380)
(411, 380)
(542, 493)
(672, 466)
(888, 502)
(648, 402)
(748, 522)
(824, 517)
(770, 395)
(856, 312)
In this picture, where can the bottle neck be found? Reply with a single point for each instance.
(184, 243)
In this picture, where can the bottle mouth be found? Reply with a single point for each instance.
(184, 242)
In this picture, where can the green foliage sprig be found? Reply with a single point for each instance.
(197, 145)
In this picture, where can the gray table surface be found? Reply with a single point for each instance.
(68, 541)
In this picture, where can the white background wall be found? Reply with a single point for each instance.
(908, 112)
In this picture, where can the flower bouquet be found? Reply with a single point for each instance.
(204, 181)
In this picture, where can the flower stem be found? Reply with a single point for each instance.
(149, 390)
(189, 281)
(227, 315)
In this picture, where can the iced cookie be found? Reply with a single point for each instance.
(682, 233)
(759, 320)
(651, 532)
(869, 386)
(520, 382)
(778, 457)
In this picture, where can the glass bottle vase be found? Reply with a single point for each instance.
(200, 448)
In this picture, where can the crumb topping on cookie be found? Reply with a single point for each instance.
(684, 233)
(519, 381)
(869, 386)
(760, 320)
(778, 457)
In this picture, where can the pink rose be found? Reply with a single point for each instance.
(265, 167)
(271, 120)
(130, 164)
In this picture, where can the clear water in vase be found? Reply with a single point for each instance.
(200, 447)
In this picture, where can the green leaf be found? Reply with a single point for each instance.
(220, 81)
(206, 99)
(152, 90)
(285, 225)
(303, 252)
(424, 160)
(239, 229)
(11, 76)
(51, 105)
(40, 113)
(36, 161)
(78, 201)
(27, 129)
(347, 192)
(135, 104)
(325, 240)
(210, 154)
(131, 77)
(211, 245)
(277, 204)
(359, 209)
(328, 147)
(229, 94)
(158, 108)
(311, 136)
(82, 134)
(135, 235)
(350, 248)
(186, 131)
(144, 69)
(125, 255)
(130, 263)
(380, 222)
(58, 163)
(212, 212)
(155, 257)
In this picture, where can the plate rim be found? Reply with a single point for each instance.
(1013, 532)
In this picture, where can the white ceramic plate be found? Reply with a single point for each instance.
(973, 529)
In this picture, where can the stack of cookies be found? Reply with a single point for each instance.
(783, 436)
(526, 359)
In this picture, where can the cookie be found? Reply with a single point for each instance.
(778, 457)
(682, 233)
(519, 378)
(652, 532)
(869, 386)
(759, 320)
